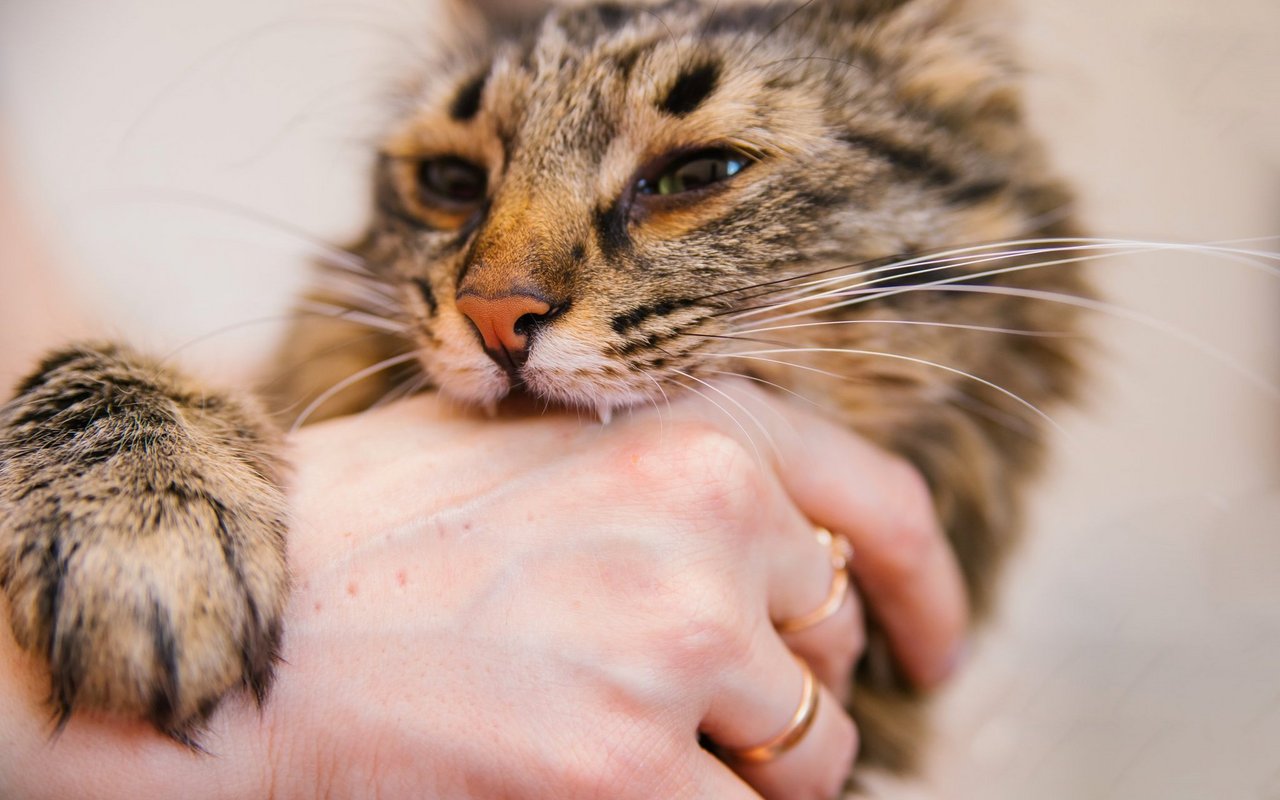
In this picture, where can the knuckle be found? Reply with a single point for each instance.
(719, 475)
(707, 628)
(696, 469)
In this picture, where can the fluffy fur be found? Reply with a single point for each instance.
(878, 135)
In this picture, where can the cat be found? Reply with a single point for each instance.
(620, 200)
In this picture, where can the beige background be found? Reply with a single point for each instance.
(1139, 652)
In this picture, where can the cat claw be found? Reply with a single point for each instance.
(490, 408)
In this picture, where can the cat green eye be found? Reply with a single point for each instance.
(451, 183)
(693, 172)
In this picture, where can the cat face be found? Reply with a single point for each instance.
(582, 211)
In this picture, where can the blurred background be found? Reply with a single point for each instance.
(180, 159)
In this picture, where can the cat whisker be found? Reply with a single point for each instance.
(803, 292)
(890, 292)
(924, 323)
(343, 384)
(974, 254)
(1017, 424)
(289, 24)
(768, 438)
(334, 98)
(220, 331)
(1120, 312)
(733, 336)
(604, 411)
(666, 399)
(809, 291)
(1116, 311)
(765, 37)
(840, 61)
(367, 290)
(354, 297)
(407, 388)
(357, 316)
(897, 261)
(1006, 419)
(900, 357)
(857, 281)
(863, 268)
(773, 385)
(332, 254)
(321, 310)
(300, 363)
(675, 43)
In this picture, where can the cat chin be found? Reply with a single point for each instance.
(562, 371)
(488, 391)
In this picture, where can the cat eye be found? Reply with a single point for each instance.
(693, 172)
(451, 183)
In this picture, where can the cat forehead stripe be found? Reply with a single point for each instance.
(466, 103)
(692, 87)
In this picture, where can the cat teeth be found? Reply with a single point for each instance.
(490, 408)
(604, 411)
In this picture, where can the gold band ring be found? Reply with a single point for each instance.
(841, 553)
(799, 725)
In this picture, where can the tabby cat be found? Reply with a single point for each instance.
(622, 200)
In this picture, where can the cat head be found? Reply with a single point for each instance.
(579, 207)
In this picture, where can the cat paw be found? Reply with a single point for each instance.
(141, 540)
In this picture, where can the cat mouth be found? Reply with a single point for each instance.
(546, 381)
(510, 363)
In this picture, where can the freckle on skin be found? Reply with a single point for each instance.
(466, 526)
(318, 606)
(402, 578)
(353, 589)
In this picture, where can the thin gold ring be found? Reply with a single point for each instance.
(841, 553)
(790, 736)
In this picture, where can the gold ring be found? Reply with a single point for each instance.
(841, 554)
(799, 725)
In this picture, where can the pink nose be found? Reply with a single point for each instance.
(504, 322)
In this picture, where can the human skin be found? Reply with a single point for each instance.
(36, 307)
(533, 606)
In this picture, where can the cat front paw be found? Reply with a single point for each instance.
(141, 540)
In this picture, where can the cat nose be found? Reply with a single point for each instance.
(505, 323)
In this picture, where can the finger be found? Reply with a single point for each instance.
(758, 702)
(811, 599)
(904, 565)
(823, 758)
(831, 636)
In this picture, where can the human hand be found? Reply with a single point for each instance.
(531, 607)
(652, 542)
